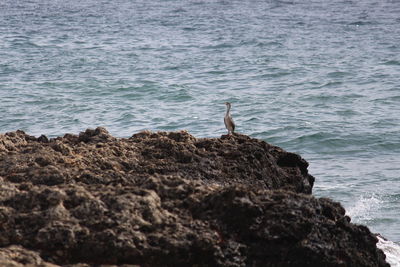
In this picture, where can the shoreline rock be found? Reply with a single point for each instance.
(168, 199)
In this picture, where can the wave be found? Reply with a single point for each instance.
(362, 212)
(391, 250)
(392, 62)
(362, 208)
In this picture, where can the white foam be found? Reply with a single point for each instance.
(361, 211)
(391, 250)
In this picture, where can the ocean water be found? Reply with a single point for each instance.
(320, 78)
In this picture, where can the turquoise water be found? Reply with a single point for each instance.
(321, 78)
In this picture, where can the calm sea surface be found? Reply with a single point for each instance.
(320, 78)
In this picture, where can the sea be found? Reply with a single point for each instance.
(319, 78)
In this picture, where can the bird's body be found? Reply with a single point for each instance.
(229, 124)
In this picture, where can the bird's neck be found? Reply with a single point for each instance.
(228, 110)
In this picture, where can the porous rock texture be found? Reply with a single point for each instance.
(167, 199)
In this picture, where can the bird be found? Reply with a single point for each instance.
(229, 124)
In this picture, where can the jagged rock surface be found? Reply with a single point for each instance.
(168, 199)
(95, 157)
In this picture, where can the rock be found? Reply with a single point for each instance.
(168, 199)
(15, 256)
(43, 139)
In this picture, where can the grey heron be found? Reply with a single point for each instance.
(229, 124)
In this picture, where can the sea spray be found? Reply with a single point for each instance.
(364, 207)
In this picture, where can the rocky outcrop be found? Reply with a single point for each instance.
(168, 199)
(95, 157)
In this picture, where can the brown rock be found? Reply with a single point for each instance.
(168, 199)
